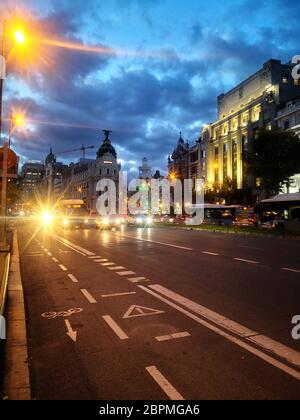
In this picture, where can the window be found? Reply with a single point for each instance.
(285, 80)
(286, 125)
(107, 171)
(296, 82)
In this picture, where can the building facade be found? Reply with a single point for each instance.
(249, 107)
(79, 180)
(288, 118)
(31, 176)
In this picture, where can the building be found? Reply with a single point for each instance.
(288, 118)
(252, 105)
(79, 180)
(51, 183)
(31, 176)
(185, 161)
(145, 169)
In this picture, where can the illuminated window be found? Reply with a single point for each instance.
(285, 80)
(296, 82)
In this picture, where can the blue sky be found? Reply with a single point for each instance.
(171, 59)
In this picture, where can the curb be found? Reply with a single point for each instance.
(16, 382)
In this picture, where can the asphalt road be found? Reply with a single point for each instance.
(161, 314)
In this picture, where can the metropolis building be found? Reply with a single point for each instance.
(267, 99)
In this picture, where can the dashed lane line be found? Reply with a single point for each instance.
(138, 279)
(88, 296)
(246, 261)
(210, 253)
(165, 385)
(116, 268)
(292, 270)
(115, 327)
(62, 267)
(173, 336)
(73, 278)
(118, 294)
(108, 264)
(126, 273)
(55, 259)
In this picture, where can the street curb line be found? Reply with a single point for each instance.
(16, 382)
(3, 291)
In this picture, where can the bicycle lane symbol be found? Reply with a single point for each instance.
(61, 314)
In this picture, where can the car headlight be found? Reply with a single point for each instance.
(66, 222)
(149, 220)
(47, 218)
(106, 221)
(139, 220)
(86, 221)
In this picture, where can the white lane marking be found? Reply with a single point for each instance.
(210, 253)
(115, 327)
(72, 245)
(108, 264)
(116, 268)
(137, 279)
(49, 253)
(159, 243)
(165, 385)
(88, 296)
(136, 311)
(97, 261)
(246, 261)
(289, 354)
(70, 332)
(73, 278)
(291, 270)
(173, 336)
(118, 294)
(94, 257)
(126, 273)
(55, 259)
(62, 267)
(103, 260)
(46, 250)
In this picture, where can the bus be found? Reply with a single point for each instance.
(71, 213)
(216, 214)
(281, 212)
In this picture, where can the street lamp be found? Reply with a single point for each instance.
(15, 120)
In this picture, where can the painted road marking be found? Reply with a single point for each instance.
(276, 348)
(108, 264)
(73, 246)
(73, 278)
(126, 273)
(97, 261)
(136, 311)
(161, 243)
(116, 268)
(118, 294)
(246, 261)
(103, 260)
(94, 257)
(49, 253)
(115, 327)
(210, 253)
(165, 385)
(88, 296)
(291, 270)
(62, 267)
(173, 336)
(70, 332)
(137, 279)
(55, 259)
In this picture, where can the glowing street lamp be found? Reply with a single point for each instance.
(19, 37)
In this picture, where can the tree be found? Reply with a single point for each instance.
(274, 158)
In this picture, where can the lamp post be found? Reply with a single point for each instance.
(2, 75)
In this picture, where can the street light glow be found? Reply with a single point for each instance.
(19, 37)
(19, 120)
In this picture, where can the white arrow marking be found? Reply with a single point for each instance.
(71, 333)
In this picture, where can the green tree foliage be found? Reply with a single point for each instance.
(274, 158)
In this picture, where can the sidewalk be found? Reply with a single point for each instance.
(15, 383)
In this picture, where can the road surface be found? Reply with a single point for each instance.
(160, 313)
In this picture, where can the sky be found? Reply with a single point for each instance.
(145, 69)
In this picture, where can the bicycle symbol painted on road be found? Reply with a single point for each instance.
(63, 314)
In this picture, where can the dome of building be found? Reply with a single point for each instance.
(106, 146)
(50, 158)
(181, 149)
